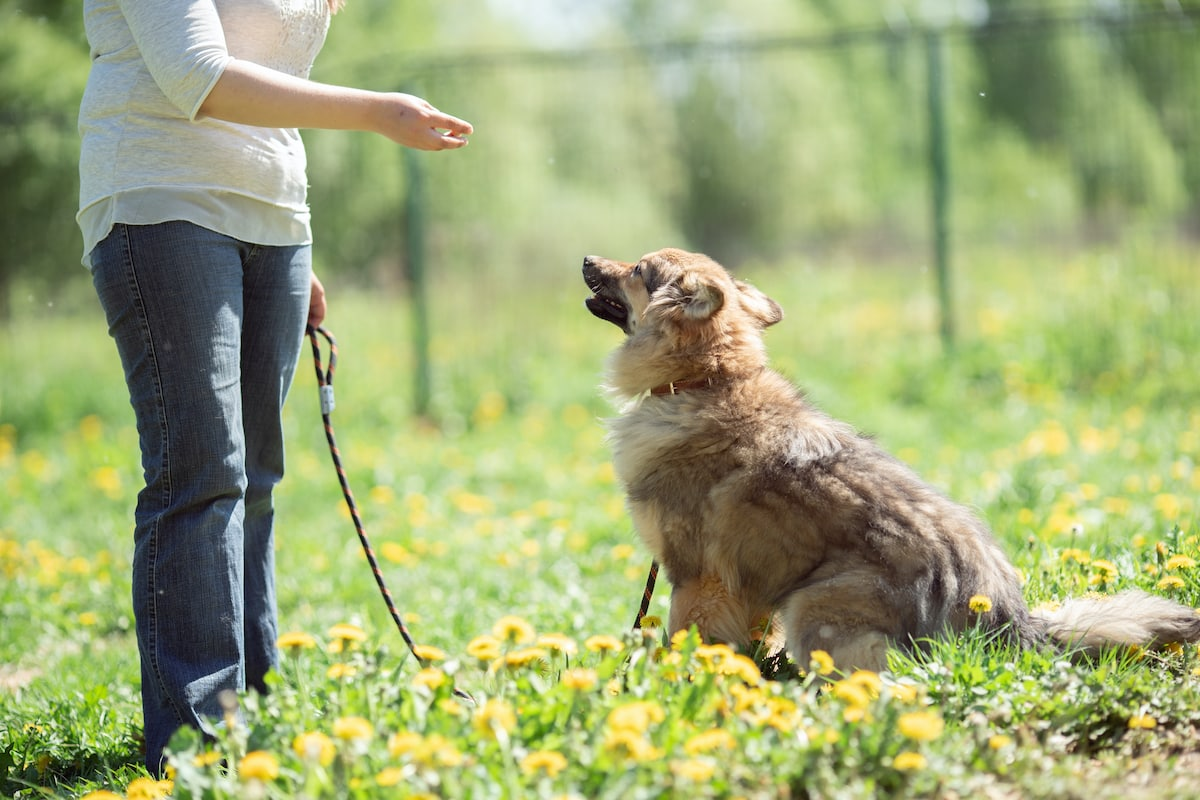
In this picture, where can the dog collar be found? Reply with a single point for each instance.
(674, 387)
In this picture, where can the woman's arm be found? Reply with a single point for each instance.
(254, 95)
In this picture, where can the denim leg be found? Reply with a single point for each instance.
(175, 301)
(275, 288)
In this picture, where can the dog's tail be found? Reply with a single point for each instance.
(1130, 618)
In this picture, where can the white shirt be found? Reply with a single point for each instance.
(146, 157)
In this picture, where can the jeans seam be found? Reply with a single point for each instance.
(165, 465)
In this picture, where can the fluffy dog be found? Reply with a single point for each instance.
(756, 503)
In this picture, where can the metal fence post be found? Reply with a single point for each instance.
(939, 178)
(415, 260)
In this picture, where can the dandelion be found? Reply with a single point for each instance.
(206, 759)
(345, 636)
(438, 751)
(1170, 582)
(1076, 555)
(513, 630)
(426, 652)
(632, 745)
(258, 765)
(429, 678)
(403, 743)
(851, 694)
(903, 692)
(295, 641)
(484, 648)
(101, 794)
(353, 729)
(636, 717)
(88, 619)
(1179, 562)
(494, 717)
(558, 643)
(341, 671)
(909, 762)
(921, 726)
(1142, 722)
(708, 741)
(693, 769)
(651, 621)
(389, 777)
(999, 741)
(147, 789)
(741, 667)
(314, 746)
(868, 680)
(524, 657)
(602, 643)
(580, 680)
(821, 662)
(547, 761)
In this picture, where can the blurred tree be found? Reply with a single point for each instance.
(43, 68)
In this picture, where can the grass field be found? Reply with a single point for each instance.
(1069, 416)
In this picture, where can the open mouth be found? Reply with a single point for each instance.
(602, 304)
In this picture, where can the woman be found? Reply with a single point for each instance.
(196, 228)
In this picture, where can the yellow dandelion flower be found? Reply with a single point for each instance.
(821, 662)
(636, 716)
(404, 742)
(389, 777)
(903, 692)
(1076, 555)
(494, 717)
(429, 678)
(602, 643)
(713, 654)
(651, 621)
(102, 794)
(851, 694)
(295, 641)
(258, 765)
(1179, 562)
(999, 741)
(341, 671)
(1142, 722)
(547, 761)
(315, 746)
(206, 759)
(631, 745)
(146, 789)
(353, 729)
(693, 769)
(484, 648)
(708, 741)
(921, 726)
(742, 668)
(513, 629)
(1170, 582)
(580, 680)
(438, 751)
(525, 657)
(558, 643)
(909, 762)
(429, 653)
(868, 680)
(88, 619)
(345, 636)
(980, 604)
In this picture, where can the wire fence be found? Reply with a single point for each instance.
(933, 149)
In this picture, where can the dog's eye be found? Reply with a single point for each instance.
(637, 271)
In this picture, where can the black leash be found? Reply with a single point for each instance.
(325, 386)
(647, 593)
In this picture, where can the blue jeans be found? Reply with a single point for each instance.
(209, 331)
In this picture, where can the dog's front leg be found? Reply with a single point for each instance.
(706, 603)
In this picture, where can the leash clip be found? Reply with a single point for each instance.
(327, 404)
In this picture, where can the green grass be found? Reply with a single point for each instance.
(1067, 416)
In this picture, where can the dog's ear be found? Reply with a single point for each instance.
(700, 299)
(758, 305)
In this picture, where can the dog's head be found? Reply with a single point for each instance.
(675, 306)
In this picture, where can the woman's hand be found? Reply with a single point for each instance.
(316, 303)
(413, 122)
